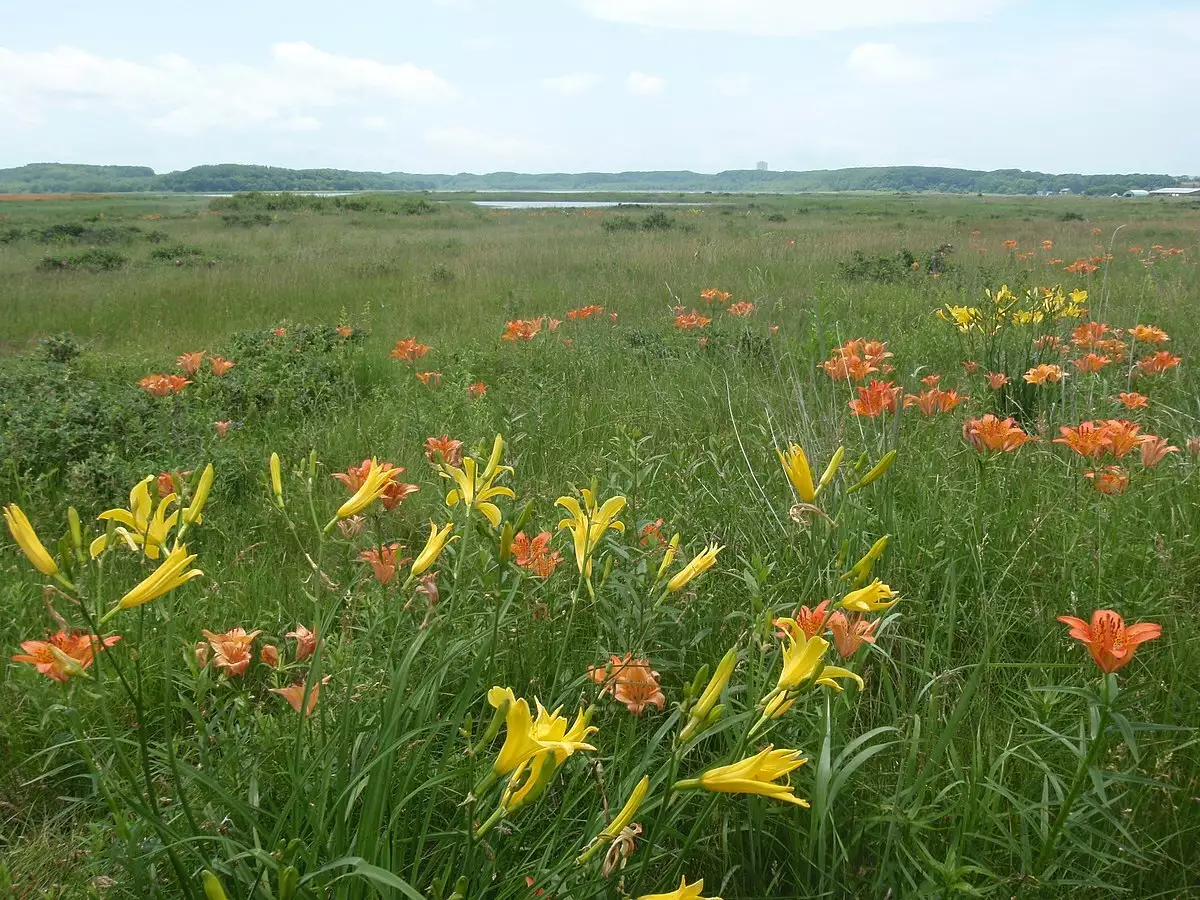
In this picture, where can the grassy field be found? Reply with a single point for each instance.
(985, 753)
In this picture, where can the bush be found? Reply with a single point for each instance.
(94, 260)
(176, 251)
(60, 348)
(419, 207)
(10, 233)
(1071, 217)
(895, 267)
(776, 217)
(658, 221)
(619, 223)
(247, 220)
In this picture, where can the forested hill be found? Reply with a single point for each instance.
(53, 178)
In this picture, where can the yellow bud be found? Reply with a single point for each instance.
(276, 480)
(877, 472)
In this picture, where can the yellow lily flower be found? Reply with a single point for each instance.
(168, 576)
(557, 742)
(138, 528)
(964, 318)
(875, 597)
(685, 891)
(27, 539)
(191, 515)
(373, 487)
(795, 466)
(475, 489)
(438, 538)
(703, 707)
(589, 523)
(803, 661)
(756, 774)
(699, 564)
(276, 479)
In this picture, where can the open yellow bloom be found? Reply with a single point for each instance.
(589, 523)
(756, 774)
(557, 742)
(171, 574)
(961, 317)
(874, 597)
(803, 661)
(703, 708)
(685, 891)
(438, 538)
(475, 489)
(138, 528)
(699, 564)
(378, 479)
(795, 466)
(27, 540)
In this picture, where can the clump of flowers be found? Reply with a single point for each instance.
(875, 399)
(392, 494)
(522, 329)
(741, 309)
(858, 358)
(163, 385)
(584, 312)
(712, 295)
(409, 350)
(691, 321)
(631, 682)
(934, 400)
(534, 554)
(990, 434)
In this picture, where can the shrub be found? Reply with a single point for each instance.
(619, 223)
(175, 251)
(1071, 217)
(60, 348)
(247, 220)
(10, 233)
(658, 221)
(776, 217)
(418, 207)
(93, 260)
(441, 274)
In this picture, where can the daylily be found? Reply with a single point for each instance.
(804, 662)
(1154, 450)
(192, 512)
(219, 365)
(65, 654)
(704, 707)
(378, 479)
(294, 694)
(190, 362)
(698, 565)
(1108, 639)
(534, 554)
(874, 597)
(306, 642)
(355, 477)
(27, 539)
(795, 466)
(233, 649)
(620, 822)
(756, 774)
(861, 570)
(438, 538)
(631, 682)
(172, 573)
(138, 528)
(475, 489)
(383, 561)
(807, 621)
(685, 891)
(851, 632)
(443, 450)
(557, 742)
(276, 479)
(589, 523)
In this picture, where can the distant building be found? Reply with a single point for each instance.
(1065, 191)
(1136, 193)
(761, 165)
(1176, 192)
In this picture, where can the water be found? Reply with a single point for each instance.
(567, 204)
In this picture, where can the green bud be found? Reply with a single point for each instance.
(608, 567)
(289, 883)
(467, 727)
(697, 686)
(212, 886)
(76, 528)
(523, 518)
(312, 464)
(506, 540)
(460, 889)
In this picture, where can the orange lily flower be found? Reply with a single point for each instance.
(629, 681)
(996, 380)
(993, 435)
(162, 385)
(584, 312)
(1010, 245)
(851, 632)
(294, 694)
(534, 554)
(395, 493)
(383, 561)
(875, 399)
(1091, 363)
(651, 534)
(1087, 335)
(808, 621)
(691, 321)
(931, 381)
(64, 654)
(1109, 640)
(712, 295)
(1048, 342)
(521, 329)
(1121, 436)
(409, 350)
(1148, 334)
(222, 427)
(306, 642)
(345, 331)
(970, 366)
(1045, 373)
(741, 309)
(1087, 439)
(190, 362)
(443, 450)
(433, 379)
(1157, 363)
(269, 654)
(220, 365)
(476, 390)
(1109, 480)
(232, 649)
(1133, 400)
(1154, 450)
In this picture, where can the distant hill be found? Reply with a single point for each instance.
(54, 178)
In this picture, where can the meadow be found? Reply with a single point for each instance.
(761, 518)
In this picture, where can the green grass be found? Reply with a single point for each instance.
(944, 776)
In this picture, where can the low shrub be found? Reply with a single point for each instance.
(94, 260)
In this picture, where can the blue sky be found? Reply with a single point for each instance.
(607, 85)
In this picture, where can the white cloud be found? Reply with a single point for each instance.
(644, 85)
(178, 96)
(886, 62)
(571, 84)
(779, 18)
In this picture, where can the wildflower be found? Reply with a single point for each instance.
(1193, 446)
(1121, 436)
(279, 332)
(874, 597)
(712, 295)
(345, 331)
(138, 528)
(554, 323)
(201, 652)
(1133, 400)
(584, 312)
(1089, 334)
(432, 379)
(589, 523)
(699, 564)
(1010, 245)
(383, 561)
(685, 891)
(773, 329)
(294, 694)
(527, 739)
(1048, 342)
(1045, 373)
(964, 318)
(994, 435)
(222, 428)
(1148, 334)
(557, 742)
(438, 539)
(269, 655)
(351, 527)
(190, 363)
(306, 642)
(1081, 267)
(65, 654)
(876, 472)
(163, 385)
(521, 329)
(1135, 249)
(1154, 450)
(847, 366)
(1109, 640)
(651, 534)
(934, 400)
(172, 573)
(875, 399)
(850, 632)
(232, 649)
(219, 365)
(1091, 363)
(22, 532)
(274, 468)
(1109, 480)
(475, 489)
(705, 707)
(809, 622)
(931, 381)
(612, 317)
(1087, 439)
(476, 389)
(621, 821)
(443, 451)
(691, 321)
(795, 466)
(741, 309)
(534, 554)
(1157, 363)
(757, 774)
(996, 380)
(369, 482)
(428, 588)
(409, 350)
(631, 682)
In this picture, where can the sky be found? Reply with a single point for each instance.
(446, 86)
